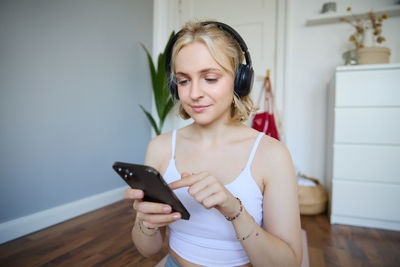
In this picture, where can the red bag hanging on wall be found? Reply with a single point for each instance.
(265, 121)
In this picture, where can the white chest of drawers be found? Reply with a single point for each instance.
(363, 161)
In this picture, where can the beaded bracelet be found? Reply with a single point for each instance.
(147, 234)
(237, 215)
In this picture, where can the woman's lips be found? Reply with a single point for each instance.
(200, 108)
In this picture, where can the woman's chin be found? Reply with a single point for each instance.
(207, 120)
(202, 121)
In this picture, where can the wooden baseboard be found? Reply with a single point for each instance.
(31, 223)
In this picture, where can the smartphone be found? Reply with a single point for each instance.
(153, 185)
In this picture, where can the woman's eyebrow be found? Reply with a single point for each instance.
(201, 71)
(181, 74)
(210, 70)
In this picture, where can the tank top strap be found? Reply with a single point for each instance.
(173, 144)
(253, 151)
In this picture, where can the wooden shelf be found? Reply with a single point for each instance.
(334, 17)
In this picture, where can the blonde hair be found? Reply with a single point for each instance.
(222, 46)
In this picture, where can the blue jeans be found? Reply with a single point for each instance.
(171, 262)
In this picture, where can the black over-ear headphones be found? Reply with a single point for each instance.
(244, 74)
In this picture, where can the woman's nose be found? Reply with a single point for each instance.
(196, 90)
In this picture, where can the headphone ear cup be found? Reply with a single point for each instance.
(249, 78)
(244, 80)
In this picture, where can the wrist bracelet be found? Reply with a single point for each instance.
(247, 236)
(147, 234)
(237, 215)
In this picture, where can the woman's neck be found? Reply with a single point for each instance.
(215, 134)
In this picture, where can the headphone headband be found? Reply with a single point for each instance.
(235, 35)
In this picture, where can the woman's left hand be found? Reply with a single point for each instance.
(208, 191)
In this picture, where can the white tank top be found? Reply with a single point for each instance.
(208, 238)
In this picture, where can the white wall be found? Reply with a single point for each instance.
(314, 53)
(72, 74)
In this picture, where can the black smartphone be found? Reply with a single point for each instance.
(153, 185)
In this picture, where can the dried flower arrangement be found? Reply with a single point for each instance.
(361, 24)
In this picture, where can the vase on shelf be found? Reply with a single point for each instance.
(370, 53)
(368, 38)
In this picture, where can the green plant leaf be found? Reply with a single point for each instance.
(164, 66)
(152, 121)
(167, 108)
(160, 88)
(153, 71)
(163, 79)
(169, 40)
(161, 97)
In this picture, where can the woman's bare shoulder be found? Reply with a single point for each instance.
(273, 156)
(158, 150)
(271, 147)
(160, 140)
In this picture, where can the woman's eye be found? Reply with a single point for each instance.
(182, 82)
(211, 80)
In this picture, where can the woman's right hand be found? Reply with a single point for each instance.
(151, 214)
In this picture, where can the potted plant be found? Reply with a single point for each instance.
(367, 36)
(162, 97)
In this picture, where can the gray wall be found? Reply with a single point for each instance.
(72, 74)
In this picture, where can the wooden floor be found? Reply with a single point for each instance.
(102, 238)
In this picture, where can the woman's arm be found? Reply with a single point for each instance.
(148, 231)
(147, 241)
(278, 242)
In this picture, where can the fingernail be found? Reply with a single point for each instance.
(176, 216)
(138, 194)
(166, 209)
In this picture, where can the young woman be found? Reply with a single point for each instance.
(238, 184)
